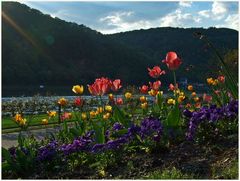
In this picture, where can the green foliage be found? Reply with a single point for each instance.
(170, 173)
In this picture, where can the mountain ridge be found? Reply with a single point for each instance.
(70, 53)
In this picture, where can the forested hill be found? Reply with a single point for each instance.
(38, 49)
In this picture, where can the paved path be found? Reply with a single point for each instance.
(10, 139)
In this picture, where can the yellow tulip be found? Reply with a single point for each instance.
(144, 105)
(84, 116)
(18, 117)
(106, 116)
(128, 95)
(171, 101)
(78, 89)
(62, 101)
(22, 122)
(99, 110)
(181, 98)
(210, 81)
(153, 92)
(44, 121)
(143, 99)
(51, 113)
(108, 108)
(110, 97)
(92, 114)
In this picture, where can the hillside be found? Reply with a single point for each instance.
(38, 49)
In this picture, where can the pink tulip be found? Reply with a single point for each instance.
(100, 87)
(155, 85)
(116, 85)
(119, 101)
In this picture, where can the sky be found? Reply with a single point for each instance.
(113, 17)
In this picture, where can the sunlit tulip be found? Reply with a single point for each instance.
(78, 89)
(100, 87)
(172, 61)
(128, 95)
(144, 105)
(92, 114)
(106, 116)
(99, 110)
(51, 113)
(196, 99)
(44, 121)
(171, 101)
(198, 105)
(143, 99)
(144, 89)
(108, 108)
(23, 121)
(110, 97)
(210, 81)
(194, 94)
(181, 98)
(62, 101)
(190, 87)
(18, 117)
(155, 72)
(116, 85)
(155, 85)
(153, 92)
(84, 116)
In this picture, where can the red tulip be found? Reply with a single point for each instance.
(144, 89)
(155, 72)
(116, 85)
(78, 102)
(207, 98)
(155, 85)
(119, 101)
(100, 86)
(172, 61)
(221, 78)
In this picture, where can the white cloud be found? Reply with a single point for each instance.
(232, 21)
(185, 3)
(121, 22)
(219, 8)
(205, 13)
(218, 11)
(178, 19)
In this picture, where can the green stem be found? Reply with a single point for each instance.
(174, 78)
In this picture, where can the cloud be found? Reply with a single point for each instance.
(178, 19)
(218, 11)
(205, 13)
(219, 8)
(232, 21)
(185, 3)
(122, 21)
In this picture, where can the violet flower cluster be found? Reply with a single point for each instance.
(150, 128)
(211, 114)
